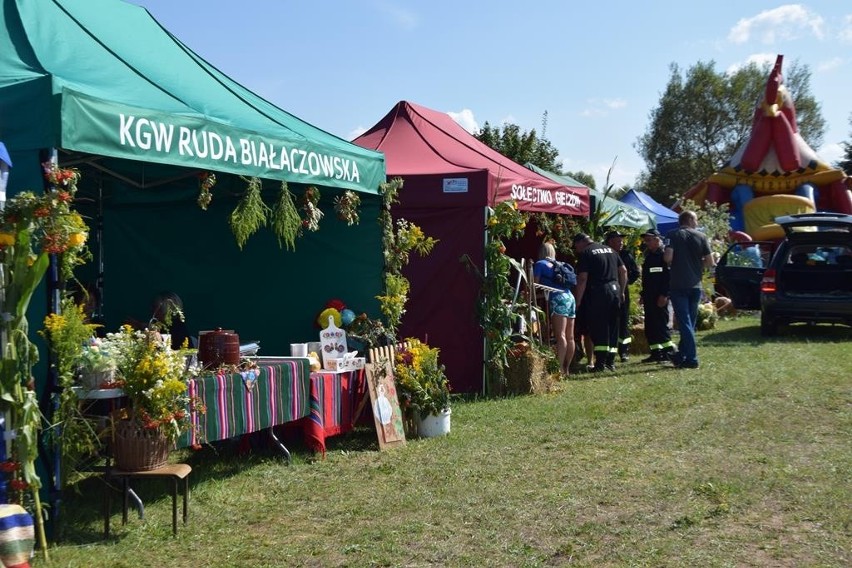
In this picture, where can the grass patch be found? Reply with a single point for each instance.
(744, 462)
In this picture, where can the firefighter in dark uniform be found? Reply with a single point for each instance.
(615, 240)
(601, 281)
(655, 299)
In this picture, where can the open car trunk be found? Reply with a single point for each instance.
(816, 275)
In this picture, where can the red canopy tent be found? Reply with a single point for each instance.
(450, 179)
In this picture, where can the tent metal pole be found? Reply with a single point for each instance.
(484, 272)
(99, 232)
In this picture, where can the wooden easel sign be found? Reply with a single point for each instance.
(384, 404)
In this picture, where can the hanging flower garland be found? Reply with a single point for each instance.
(560, 229)
(62, 179)
(46, 223)
(398, 242)
(310, 209)
(496, 313)
(346, 207)
(33, 227)
(206, 181)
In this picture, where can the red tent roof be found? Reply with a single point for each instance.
(420, 141)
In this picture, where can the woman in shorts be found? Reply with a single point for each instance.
(561, 305)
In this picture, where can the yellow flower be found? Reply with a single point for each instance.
(76, 239)
(54, 323)
(7, 239)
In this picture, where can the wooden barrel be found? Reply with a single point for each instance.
(219, 347)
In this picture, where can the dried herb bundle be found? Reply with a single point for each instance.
(310, 207)
(206, 181)
(285, 219)
(346, 205)
(249, 214)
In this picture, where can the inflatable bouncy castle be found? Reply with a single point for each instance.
(774, 172)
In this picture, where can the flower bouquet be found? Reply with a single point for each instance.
(422, 385)
(154, 377)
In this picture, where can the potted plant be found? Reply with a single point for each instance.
(423, 388)
(155, 379)
(97, 365)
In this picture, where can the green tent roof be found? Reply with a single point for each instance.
(614, 212)
(103, 77)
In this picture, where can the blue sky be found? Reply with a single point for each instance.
(597, 68)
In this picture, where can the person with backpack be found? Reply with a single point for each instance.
(560, 277)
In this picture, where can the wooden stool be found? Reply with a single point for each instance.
(174, 471)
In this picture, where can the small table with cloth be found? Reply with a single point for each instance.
(240, 403)
(336, 398)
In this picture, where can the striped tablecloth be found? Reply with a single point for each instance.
(241, 403)
(335, 397)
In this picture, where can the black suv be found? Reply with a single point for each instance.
(809, 278)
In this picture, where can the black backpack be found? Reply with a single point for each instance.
(564, 275)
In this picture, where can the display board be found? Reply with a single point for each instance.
(387, 414)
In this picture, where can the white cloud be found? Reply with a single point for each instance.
(759, 59)
(508, 119)
(829, 65)
(403, 18)
(615, 103)
(786, 22)
(466, 120)
(355, 133)
(845, 34)
(601, 107)
(831, 153)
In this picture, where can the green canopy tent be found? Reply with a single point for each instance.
(614, 212)
(113, 93)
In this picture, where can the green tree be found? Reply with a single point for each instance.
(704, 116)
(586, 179)
(521, 147)
(845, 163)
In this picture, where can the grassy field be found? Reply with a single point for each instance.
(744, 462)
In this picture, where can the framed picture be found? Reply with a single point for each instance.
(384, 404)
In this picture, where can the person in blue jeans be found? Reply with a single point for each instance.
(688, 254)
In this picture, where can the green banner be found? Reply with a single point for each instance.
(101, 127)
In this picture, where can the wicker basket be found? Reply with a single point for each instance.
(137, 449)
